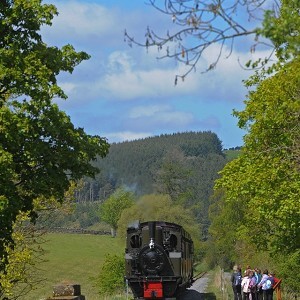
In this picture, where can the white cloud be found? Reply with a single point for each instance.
(82, 19)
(119, 62)
(128, 78)
(134, 73)
(126, 136)
(152, 116)
(125, 78)
(150, 100)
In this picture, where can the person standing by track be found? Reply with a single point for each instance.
(246, 286)
(236, 280)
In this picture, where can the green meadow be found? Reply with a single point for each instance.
(74, 258)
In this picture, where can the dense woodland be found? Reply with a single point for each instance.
(182, 165)
(139, 164)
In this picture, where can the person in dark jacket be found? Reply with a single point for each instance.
(236, 280)
(259, 292)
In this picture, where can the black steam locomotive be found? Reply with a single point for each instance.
(158, 260)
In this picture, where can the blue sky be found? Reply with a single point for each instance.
(125, 93)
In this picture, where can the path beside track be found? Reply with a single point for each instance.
(197, 290)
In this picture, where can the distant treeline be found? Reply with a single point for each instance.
(234, 148)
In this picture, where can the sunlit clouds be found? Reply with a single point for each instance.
(126, 93)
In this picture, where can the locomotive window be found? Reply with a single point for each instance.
(173, 241)
(135, 241)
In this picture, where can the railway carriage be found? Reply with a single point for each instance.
(158, 260)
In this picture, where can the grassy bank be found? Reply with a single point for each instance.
(77, 258)
(74, 258)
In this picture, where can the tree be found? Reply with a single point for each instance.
(112, 208)
(40, 149)
(201, 24)
(283, 29)
(23, 259)
(222, 232)
(172, 177)
(25, 251)
(265, 178)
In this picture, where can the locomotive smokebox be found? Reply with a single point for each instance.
(152, 228)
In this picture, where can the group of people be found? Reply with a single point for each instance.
(253, 284)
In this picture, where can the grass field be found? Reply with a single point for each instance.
(74, 258)
(77, 258)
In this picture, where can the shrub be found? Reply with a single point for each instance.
(111, 278)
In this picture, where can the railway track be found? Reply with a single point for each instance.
(196, 291)
(199, 275)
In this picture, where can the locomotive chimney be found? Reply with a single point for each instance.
(151, 234)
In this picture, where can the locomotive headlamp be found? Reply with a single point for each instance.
(151, 244)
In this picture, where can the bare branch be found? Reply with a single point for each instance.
(201, 24)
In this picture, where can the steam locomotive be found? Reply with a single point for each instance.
(158, 260)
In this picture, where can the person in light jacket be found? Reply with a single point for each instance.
(245, 285)
(263, 284)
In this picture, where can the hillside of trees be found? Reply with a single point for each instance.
(139, 164)
(183, 165)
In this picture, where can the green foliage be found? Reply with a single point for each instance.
(283, 30)
(111, 278)
(27, 65)
(265, 178)
(112, 208)
(79, 215)
(136, 163)
(231, 154)
(188, 179)
(25, 251)
(40, 149)
(183, 165)
(286, 264)
(173, 176)
(72, 258)
(226, 217)
(20, 267)
(259, 208)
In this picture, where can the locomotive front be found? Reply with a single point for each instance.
(159, 258)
